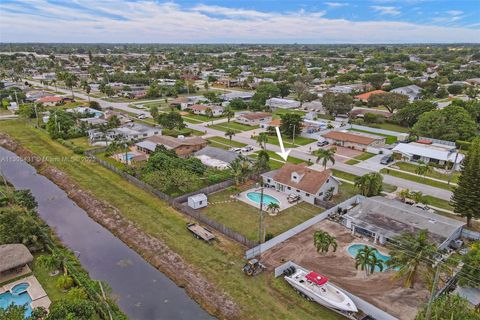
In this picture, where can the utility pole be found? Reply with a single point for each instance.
(293, 137)
(432, 293)
(36, 114)
(260, 222)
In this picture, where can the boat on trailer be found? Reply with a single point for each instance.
(316, 287)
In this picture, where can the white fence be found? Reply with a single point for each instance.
(256, 251)
(376, 130)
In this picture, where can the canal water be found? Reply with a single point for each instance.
(143, 292)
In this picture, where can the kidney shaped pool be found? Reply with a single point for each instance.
(256, 196)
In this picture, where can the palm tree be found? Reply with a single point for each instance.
(230, 133)
(240, 169)
(367, 260)
(323, 240)
(262, 140)
(209, 113)
(273, 207)
(370, 184)
(262, 163)
(326, 155)
(228, 112)
(404, 194)
(423, 169)
(412, 254)
(54, 82)
(71, 81)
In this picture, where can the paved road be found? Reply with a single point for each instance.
(301, 153)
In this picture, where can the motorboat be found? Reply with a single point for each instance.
(317, 287)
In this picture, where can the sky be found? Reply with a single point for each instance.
(246, 21)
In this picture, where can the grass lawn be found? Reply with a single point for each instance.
(439, 203)
(243, 217)
(82, 142)
(185, 132)
(360, 157)
(388, 126)
(351, 177)
(388, 140)
(200, 118)
(224, 143)
(288, 142)
(418, 179)
(220, 263)
(235, 126)
(277, 113)
(410, 167)
(276, 161)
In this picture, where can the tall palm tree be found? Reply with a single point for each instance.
(262, 162)
(54, 82)
(323, 241)
(229, 133)
(326, 155)
(71, 81)
(423, 169)
(367, 260)
(370, 184)
(240, 169)
(209, 113)
(412, 254)
(229, 113)
(262, 140)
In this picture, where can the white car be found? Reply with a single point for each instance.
(247, 149)
(141, 116)
(238, 150)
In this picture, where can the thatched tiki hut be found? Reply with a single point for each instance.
(13, 258)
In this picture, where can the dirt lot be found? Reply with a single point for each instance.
(378, 289)
(344, 154)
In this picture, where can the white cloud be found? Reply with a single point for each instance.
(336, 4)
(149, 21)
(393, 11)
(455, 12)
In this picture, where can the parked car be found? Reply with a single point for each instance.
(386, 159)
(141, 116)
(247, 149)
(424, 207)
(291, 198)
(238, 150)
(322, 143)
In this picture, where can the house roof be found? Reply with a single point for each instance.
(14, 256)
(217, 153)
(255, 115)
(392, 218)
(352, 137)
(170, 142)
(198, 197)
(432, 151)
(49, 99)
(366, 95)
(311, 180)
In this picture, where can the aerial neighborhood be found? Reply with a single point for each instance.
(245, 174)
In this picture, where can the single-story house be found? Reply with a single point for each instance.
(93, 122)
(254, 118)
(86, 110)
(246, 96)
(412, 91)
(311, 185)
(202, 109)
(120, 116)
(364, 96)
(49, 100)
(354, 140)
(273, 123)
(130, 131)
(183, 147)
(279, 103)
(429, 152)
(384, 219)
(14, 258)
(216, 157)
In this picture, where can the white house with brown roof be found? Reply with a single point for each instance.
(311, 185)
(354, 140)
(254, 118)
(182, 147)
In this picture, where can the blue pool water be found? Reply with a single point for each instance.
(129, 156)
(255, 197)
(19, 297)
(354, 248)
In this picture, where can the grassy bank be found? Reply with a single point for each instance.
(410, 167)
(259, 297)
(414, 178)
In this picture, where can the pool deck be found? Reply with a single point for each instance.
(280, 196)
(35, 291)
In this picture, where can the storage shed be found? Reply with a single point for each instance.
(197, 201)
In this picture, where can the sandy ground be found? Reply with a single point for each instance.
(378, 289)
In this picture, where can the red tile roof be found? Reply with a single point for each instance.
(350, 137)
(365, 96)
(310, 182)
(255, 115)
(49, 99)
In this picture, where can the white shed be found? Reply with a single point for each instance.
(197, 201)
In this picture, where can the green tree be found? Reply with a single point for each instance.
(273, 207)
(291, 124)
(470, 273)
(323, 241)
(66, 309)
(171, 120)
(370, 184)
(71, 81)
(366, 259)
(13, 312)
(423, 169)
(154, 111)
(375, 79)
(466, 197)
(390, 100)
(61, 124)
(240, 168)
(450, 123)
(64, 282)
(237, 104)
(449, 307)
(284, 88)
(301, 91)
(262, 140)
(229, 113)
(230, 133)
(337, 103)
(326, 156)
(455, 89)
(209, 114)
(412, 254)
(262, 162)
(25, 199)
(94, 105)
(408, 115)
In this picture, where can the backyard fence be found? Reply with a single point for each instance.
(213, 224)
(470, 234)
(256, 251)
(178, 202)
(375, 130)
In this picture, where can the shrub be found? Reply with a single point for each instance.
(64, 282)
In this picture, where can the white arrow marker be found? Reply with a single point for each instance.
(283, 153)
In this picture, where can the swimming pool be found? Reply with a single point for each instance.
(354, 248)
(129, 156)
(255, 197)
(17, 296)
